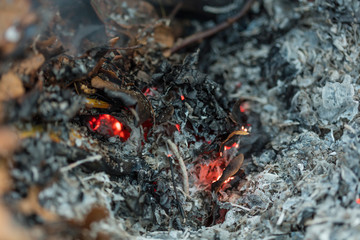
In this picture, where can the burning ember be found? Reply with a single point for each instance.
(234, 145)
(108, 125)
(226, 181)
(211, 173)
(150, 91)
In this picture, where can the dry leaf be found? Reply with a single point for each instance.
(164, 36)
(10, 86)
(30, 205)
(8, 141)
(5, 179)
(29, 65)
(9, 230)
(11, 12)
(97, 82)
(96, 214)
(135, 13)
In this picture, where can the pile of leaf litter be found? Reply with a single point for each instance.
(107, 132)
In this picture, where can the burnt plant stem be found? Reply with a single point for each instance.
(182, 165)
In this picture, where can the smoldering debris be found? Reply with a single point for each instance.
(111, 137)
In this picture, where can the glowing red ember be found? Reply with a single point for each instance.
(108, 125)
(242, 109)
(150, 91)
(182, 98)
(235, 145)
(358, 201)
(178, 127)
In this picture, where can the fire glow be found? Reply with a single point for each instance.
(108, 125)
(150, 91)
(234, 145)
(206, 174)
(226, 181)
(244, 129)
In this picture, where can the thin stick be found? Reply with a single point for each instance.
(182, 165)
(77, 163)
(207, 33)
(128, 48)
(175, 10)
(241, 207)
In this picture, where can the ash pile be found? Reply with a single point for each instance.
(113, 128)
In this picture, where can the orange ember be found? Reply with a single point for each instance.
(182, 98)
(108, 125)
(178, 127)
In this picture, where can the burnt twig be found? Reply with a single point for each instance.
(182, 165)
(207, 33)
(173, 180)
(77, 163)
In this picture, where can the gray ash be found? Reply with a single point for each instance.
(288, 73)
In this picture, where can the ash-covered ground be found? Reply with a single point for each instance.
(292, 68)
(297, 65)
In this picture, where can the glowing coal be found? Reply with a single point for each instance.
(206, 174)
(106, 124)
